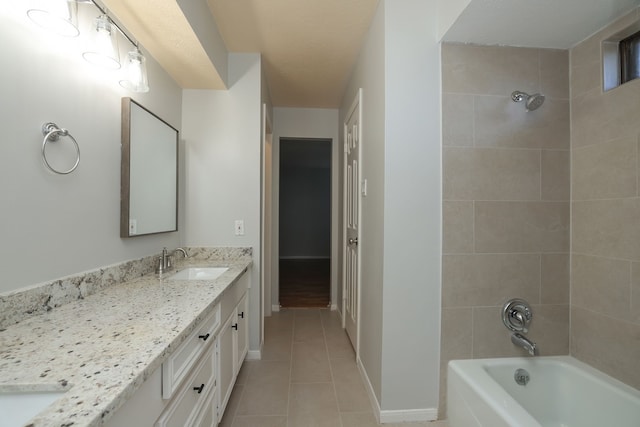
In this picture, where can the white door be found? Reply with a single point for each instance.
(351, 216)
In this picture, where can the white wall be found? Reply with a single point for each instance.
(53, 225)
(306, 123)
(412, 214)
(448, 13)
(369, 74)
(222, 134)
(398, 70)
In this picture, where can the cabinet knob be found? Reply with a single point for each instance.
(241, 315)
(199, 389)
(203, 337)
(235, 326)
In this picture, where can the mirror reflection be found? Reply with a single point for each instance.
(149, 175)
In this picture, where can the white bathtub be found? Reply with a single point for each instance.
(561, 392)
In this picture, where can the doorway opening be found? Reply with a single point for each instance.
(305, 222)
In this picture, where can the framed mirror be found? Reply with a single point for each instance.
(149, 173)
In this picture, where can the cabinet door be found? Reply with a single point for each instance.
(243, 330)
(227, 360)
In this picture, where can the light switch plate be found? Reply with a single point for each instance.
(239, 227)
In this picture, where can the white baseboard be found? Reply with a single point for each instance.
(334, 307)
(367, 385)
(408, 415)
(275, 307)
(394, 416)
(254, 355)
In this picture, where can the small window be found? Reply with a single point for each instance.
(629, 51)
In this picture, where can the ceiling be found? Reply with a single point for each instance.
(309, 47)
(559, 24)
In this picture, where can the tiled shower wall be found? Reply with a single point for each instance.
(605, 276)
(506, 200)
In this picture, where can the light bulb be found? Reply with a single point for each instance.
(136, 72)
(104, 49)
(57, 16)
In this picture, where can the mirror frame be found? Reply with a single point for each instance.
(125, 170)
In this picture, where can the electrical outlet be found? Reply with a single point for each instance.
(239, 227)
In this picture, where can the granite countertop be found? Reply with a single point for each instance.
(102, 348)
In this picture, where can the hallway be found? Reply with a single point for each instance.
(307, 378)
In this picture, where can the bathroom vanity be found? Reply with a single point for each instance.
(151, 351)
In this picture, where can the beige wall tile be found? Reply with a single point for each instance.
(610, 345)
(489, 279)
(457, 327)
(456, 342)
(491, 174)
(605, 171)
(554, 73)
(457, 227)
(635, 292)
(500, 122)
(555, 175)
(550, 329)
(490, 337)
(457, 119)
(607, 228)
(554, 288)
(588, 111)
(489, 70)
(602, 285)
(503, 227)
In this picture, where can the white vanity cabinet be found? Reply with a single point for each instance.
(193, 385)
(233, 340)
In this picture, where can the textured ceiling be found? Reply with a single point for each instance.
(164, 32)
(309, 47)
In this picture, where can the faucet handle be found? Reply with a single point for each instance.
(516, 315)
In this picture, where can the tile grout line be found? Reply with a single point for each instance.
(333, 383)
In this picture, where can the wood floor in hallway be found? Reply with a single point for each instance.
(307, 378)
(305, 283)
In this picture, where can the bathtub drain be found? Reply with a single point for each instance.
(521, 376)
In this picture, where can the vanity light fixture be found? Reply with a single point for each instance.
(61, 16)
(58, 16)
(135, 72)
(104, 49)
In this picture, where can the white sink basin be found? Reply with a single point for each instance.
(199, 273)
(18, 408)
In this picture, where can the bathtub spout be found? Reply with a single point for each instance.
(524, 342)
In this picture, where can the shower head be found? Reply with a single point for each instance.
(532, 102)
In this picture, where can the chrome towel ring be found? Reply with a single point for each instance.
(52, 133)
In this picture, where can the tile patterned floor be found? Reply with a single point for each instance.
(307, 378)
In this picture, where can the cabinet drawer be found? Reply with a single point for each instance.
(207, 415)
(180, 362)
(184, 410)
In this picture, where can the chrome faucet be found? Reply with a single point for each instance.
(165, 262)
(184, 252)
(524, 342)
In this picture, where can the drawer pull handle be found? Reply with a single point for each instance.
(241, 315)
(235, 326)
(203, 337)
(199, 389)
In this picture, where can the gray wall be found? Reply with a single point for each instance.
(53, 225)
(399, 72)
(222, 134)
